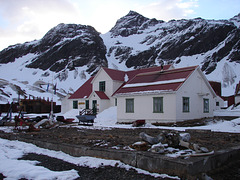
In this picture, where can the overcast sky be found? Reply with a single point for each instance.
(26, 20)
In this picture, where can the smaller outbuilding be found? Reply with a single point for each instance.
(237, 94)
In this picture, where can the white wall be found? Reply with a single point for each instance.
(102, 104)
(143, 109)
(110, 87)
(196, 89)
(237, 99)
(220, 101)
(103, 76)
(66, 104)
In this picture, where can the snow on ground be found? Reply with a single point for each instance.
(108, 119)
(13, 168)
(70, 114)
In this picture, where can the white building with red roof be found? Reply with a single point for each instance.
(97, 92)
(157, 94)
(166, 96)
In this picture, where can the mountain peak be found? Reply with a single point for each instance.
(236, 20)
(131, 24)
(62, 30)
(133, 13)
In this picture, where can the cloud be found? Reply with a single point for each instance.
(26, 20)
(169, 9)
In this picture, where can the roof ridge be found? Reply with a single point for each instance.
(113, 69)
(169, 71)
(148, 68)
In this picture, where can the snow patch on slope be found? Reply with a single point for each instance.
(15, 76)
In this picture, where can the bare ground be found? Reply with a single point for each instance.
(122, 138)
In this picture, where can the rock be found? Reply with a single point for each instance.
(149, 139)
(184, 144)
(172, 139)
(140, 146)
(196, 148)
(185, 137)
(158, 148)
(204, 150)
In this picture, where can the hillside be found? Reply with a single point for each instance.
(69, 53)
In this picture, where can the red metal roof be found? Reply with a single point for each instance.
(162, 87)
(84, 91)
(101, 95)
(162, 75)
(133, 73)
(237, 90)
(119, 75)
(158, 80)
(216, 87)
(115, 74)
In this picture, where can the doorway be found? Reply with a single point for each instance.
(94, 106)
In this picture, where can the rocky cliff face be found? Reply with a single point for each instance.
(65, 46)
(167, 42)
(131, 24)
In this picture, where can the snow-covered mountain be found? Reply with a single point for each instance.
(68, 54)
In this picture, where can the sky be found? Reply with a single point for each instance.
(27, 20)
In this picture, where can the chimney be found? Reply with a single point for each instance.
(161, 67)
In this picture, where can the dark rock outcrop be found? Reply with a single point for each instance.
(132, 23)
(169, 41)
(65, 46)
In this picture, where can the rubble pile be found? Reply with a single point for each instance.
(173, 144)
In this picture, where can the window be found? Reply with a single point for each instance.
(87, 104)
(129, 105)
(158, 104)
(115, 101)
(186, 107)
(75, 104)
(217, 103)
(102, 86)
(206, 105)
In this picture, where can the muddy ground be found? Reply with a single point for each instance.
(122, 138)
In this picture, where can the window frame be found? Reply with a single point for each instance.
(129, 105)
(205, 105)
(87, 104)
(102, 86)
(157, 104)
(185, 104)
(75, 104)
